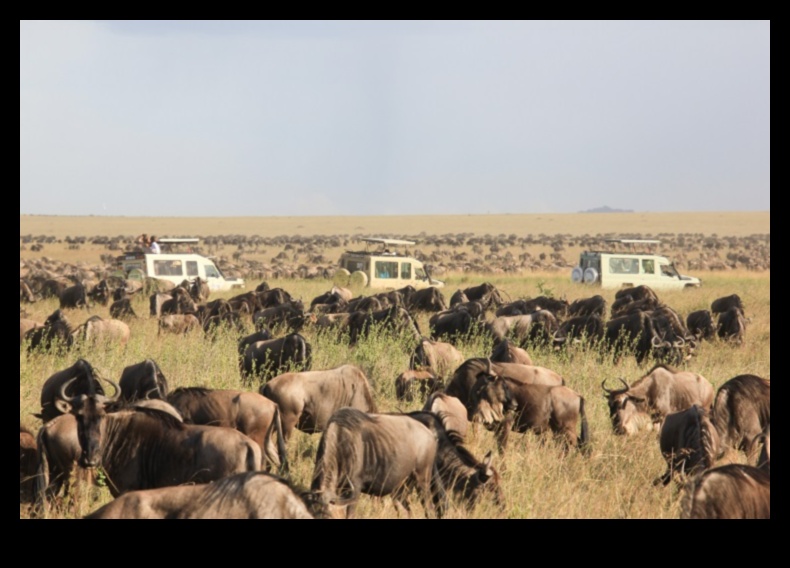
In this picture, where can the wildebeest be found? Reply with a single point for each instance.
(731, 325)
(437, 356)
(80, 378)
(642, 297)
(742, 412)
(426, 379)
(578, 329)
(689, 443)
(535, 326)
(721, 305)
(559, 308)
(97, 331)
(458, 297)
(450, 410)
(248, 412)
(503, 404)
(26, 294)
(379, 455)
(144, 448)
(633, 333)
(101, 292)
(308, 399)
(25, 327)
(700, 324)
(156, 301)
(290, 314)
(28, 462)
(265, 359)
(122, 309)
(593, 306)
(452, 325)
(394, 318)
(427, 300)
(252, 495)
(485, 292)
(177, 323)
(648, 400)
(144, 380)
(505, 352)
(56, 332)
(731, 491)
(180, 303)
(75, 296)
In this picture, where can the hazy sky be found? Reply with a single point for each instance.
(230, 118)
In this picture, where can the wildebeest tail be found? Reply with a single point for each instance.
(584, 438)
(41, 482)
(280, 457)
(721, 417)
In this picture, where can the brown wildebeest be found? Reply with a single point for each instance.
(308, 399)
(661, 391)
(451, 411)
(144, 448)
(506, 352)
(405, 382)
(689, 443)
(268, 358)
(97, 331)
(86, 383)
(439, 357)
(742, 412)
(538, 325)
(28, 462)
(248, 412)
(178, 323)
(731, 491)
(427, 300)
(252, 495)
(377, 454)
(503, 404)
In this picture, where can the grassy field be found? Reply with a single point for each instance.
(539, 479)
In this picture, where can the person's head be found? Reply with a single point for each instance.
(153, 238)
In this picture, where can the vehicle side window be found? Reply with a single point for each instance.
(211, 271)
(405, 270)
(192, 268)
(168, 268)
(386, 269)
(623, 265)
(648, 266)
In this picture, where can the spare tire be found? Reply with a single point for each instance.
(359, 279)
(577, 274)
(590, 275)
(341, 277)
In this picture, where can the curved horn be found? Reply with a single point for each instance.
(64, 386)
(489, 371)
(117, 394)
(656, 341)
(150, 392)
(614, 391)
(679, 343)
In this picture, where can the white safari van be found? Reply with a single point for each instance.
(383, 267)
(175, 267)
(630, 262)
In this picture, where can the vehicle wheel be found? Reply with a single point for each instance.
(359, 279)
(341, 277)
(577, 274)
(590, 275)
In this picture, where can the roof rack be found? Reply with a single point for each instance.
(395, 242)
(179, 240)
(631, 244)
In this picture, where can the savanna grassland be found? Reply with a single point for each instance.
(539, 479)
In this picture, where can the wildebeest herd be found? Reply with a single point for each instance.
(198, 452)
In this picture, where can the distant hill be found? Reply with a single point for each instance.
(607, 209)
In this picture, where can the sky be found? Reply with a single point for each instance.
(283, 118)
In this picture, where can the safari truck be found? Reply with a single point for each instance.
(383, 267)
(630, 262)
(175, 266)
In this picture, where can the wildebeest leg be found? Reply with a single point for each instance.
(438, 493)
(502, 433)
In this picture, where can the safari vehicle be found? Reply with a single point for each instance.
(630, 262)
(382, 267)
(175, 266)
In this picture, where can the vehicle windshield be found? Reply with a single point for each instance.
(213, 272)
(419, 273)
(669, 270)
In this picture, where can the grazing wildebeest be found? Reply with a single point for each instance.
(505, 352)
(593, 306)
(252, 495)
(58, 453)
(468, 373)
(486, 292)
(731, 325)
(642, 297)
(75, 296)
(452, 325)
(55, 333)
(180, 303)
(273, 297)
(263, 334)
(28, 462)
(648, 400)
(379, 455)
(439, 357)
(25, 327)
(579, 329)
(177, 323)
(97, 331)
(731, 491)
(503, 404)
(559, 308)
(721, 305)
(101, 292)
(394, 318)
(633, 333)
(86, 383)
(122, 309)
(265, 359)
(248, 412)
(406, 381)
(144, 448)
(308, 399)
(458, 297)
(144, 380)
(742, 412)
(700, 324)
(535, 326)
(452, 412)
(289, 313)
(689, 443)
(427, 300)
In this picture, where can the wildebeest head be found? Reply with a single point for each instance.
(491, 399)
(625, 409)
(89, 410)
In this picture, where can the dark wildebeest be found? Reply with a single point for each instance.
(643, 296)
(308, 399)
(523, 307)
(252, 495)
(634, 333)
(365, 304)
(505, 352)
(28, 462)
(661, 391)
(487, 293)
(700, 324)
(503, 404)
(101, 293)
(427, 300)
(274, 297)
(452, 412)
(732, 325)
(25, 327)
(74, 297)
(394, 318)
(458, 297)
(144, 380)
(265, 359)
(721, 305)
(426, 379)
(732, 491)
(260, 335)
(144, 448)
(594, 306)
(156, 301)
(689, 443)
(536, 326)
(377, 454)
(468, 373)
(441, 358)
(180, 303)
(122, 309)
(248, 412)
(452, 325)
(580, 329)
(331, 302)
(80, 378)
(53, 287)
(290, 314)
(55, 333)
(742, 412)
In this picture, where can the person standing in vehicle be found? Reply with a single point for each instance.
(154, 246)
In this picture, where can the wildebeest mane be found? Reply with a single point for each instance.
(196, 391)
